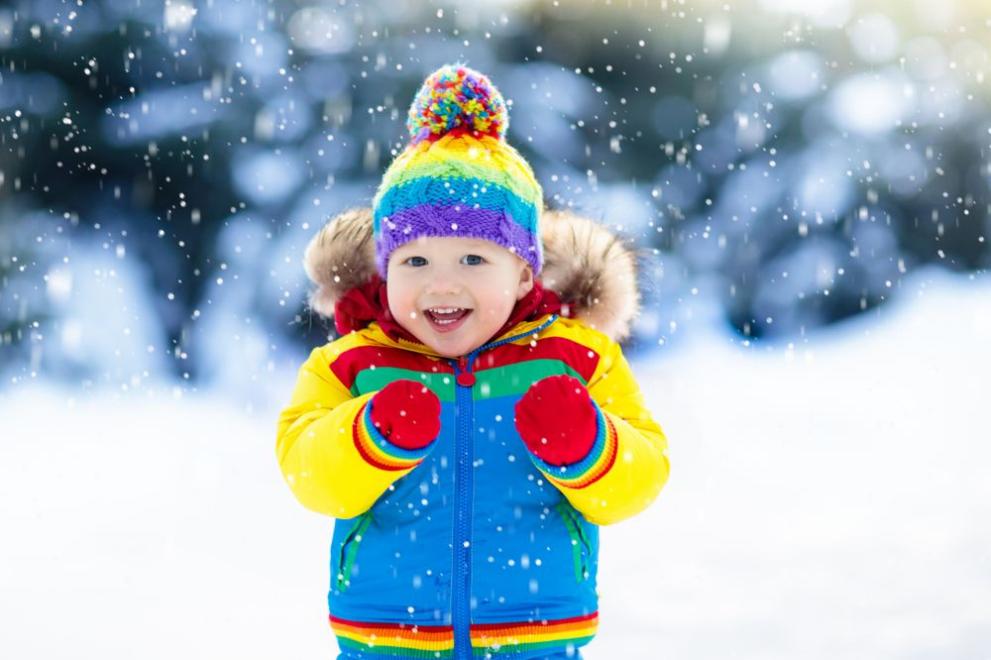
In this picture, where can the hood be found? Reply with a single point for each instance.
(591, 270)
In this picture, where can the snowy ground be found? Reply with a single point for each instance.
(827, 501)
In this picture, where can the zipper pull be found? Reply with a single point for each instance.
(465, 378)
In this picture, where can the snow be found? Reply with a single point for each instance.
(827, 500)
(874, 102)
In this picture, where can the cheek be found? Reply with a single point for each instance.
(500, 303)
(401, 302)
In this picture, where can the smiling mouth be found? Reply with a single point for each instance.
(446, 318)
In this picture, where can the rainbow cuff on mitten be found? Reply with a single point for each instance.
(590, 469)
(378, 450)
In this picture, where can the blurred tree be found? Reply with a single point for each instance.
(794, 166)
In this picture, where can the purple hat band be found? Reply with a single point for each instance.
(427, 220)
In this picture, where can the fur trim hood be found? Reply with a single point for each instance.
(590, 269)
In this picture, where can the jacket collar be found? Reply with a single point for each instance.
(368, 305)
(375, 332)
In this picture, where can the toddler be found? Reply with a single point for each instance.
(469, 430)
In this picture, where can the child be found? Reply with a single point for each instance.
(468, 430)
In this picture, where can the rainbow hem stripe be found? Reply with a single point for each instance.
(512, 638)
(590, 469)
(396, 639)
(410, 640)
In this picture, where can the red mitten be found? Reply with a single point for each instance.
(557, 420)
(407, 413)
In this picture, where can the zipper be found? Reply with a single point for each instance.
(349, 550)
(463, 491)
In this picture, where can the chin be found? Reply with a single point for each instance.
(452, 350)
(452, 345)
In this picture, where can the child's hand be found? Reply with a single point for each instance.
(407, 413)
(557, 420)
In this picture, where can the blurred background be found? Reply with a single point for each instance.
(809, 189)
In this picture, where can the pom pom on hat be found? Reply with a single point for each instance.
(456, 99)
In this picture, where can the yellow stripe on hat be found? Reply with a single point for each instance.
(486, 159)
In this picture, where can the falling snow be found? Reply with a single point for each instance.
(808, 186)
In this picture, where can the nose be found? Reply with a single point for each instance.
(443, 281)
(442, 284)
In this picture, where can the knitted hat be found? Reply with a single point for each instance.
(458, 176)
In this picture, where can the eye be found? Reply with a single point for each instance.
(416, 261)
(472, 260)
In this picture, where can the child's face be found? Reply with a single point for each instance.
(479, 277)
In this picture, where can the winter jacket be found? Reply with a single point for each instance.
(471, 547)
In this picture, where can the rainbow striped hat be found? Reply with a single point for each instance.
(458, 176)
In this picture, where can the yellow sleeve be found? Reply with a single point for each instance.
(628, 465)
(331, 456)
